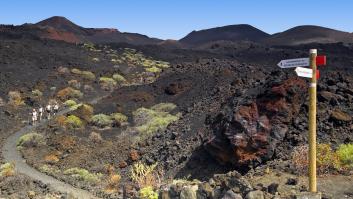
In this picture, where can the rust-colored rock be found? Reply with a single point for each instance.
(254, 129)
(134, 155)
(122, 164)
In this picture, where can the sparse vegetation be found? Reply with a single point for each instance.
(345, 154)
(153, 70)
(15, 98)
(84, 112)
(327, 159)
(83, 174)
(107, 83)
(144, 175)
(32, 139)
(51, 159)
(164, 107)
(119, 78)
(7, 169)
(119, 118)
(70, 103)
(95, 137)
(68, 93)
(74, 122)
(48, 169)
(149, 121)
(37, 93)
(74, 83)
(148, 193)
(102, 120)
(87, 75)
(61, 121)
(113, 183)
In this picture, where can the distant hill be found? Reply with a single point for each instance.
(308, 34)
(60, 28)
(242, 32)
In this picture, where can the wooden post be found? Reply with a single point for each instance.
(312, 123)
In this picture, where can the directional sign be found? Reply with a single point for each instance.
(291, 63)
(304, 72)
(301, 62)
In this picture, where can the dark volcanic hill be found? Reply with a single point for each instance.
(309, 34)
(242, 32)
(60, 28)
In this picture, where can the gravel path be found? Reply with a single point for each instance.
(11, 154)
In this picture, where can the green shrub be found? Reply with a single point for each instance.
(74, 122)
(119, 78)
(345, 154)
(7, 169)
(148, 193)
(88, 75)
(164, 107)
(149, 121)
(70, 103)
(74, 83)
(76, 71)
(30, 140)
(83, 174)
(144, 175)
(107, 83)
(102, 120)
(48, 169)
(119, 118)
(153, 70)
(15, 98)
(37, 93)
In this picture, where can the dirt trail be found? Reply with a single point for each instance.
(11, 154)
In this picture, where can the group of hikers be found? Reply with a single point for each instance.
(50, 109)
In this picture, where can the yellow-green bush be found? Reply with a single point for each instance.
(148, 193)
(119, 118)
(102, 120)
(119, 78)
(76, 71)
(144, 175)
(15, 98)
(83, 174)
(74, 83)
(70, 103)
(345, 154)
(149, 121)
(30, 139)
(164, 107)
(88, 75)
(37, 93)
(7, 169)
(74, 122)
(107, 83)
(326, 158)
(153, 69)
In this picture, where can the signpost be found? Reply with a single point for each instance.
(313, 61)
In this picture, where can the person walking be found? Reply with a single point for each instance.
(48, 109)
(56, 108)
(41, 110)
(34, 117)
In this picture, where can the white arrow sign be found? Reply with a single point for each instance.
(291, 63)
(304, 72)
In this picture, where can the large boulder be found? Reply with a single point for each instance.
(249, 132)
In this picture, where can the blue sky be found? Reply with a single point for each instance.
(173, 19)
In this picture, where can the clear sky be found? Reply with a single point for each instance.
(173, 19)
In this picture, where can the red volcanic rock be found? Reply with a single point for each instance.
(254, 129)
(54, 34)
